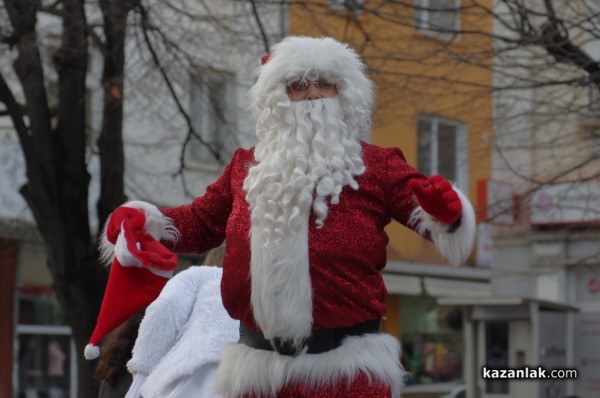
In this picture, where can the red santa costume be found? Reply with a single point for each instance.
(303, 214)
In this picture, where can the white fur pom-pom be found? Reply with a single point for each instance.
(91, 351)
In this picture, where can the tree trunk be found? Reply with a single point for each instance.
(110, 143)
(57, 178)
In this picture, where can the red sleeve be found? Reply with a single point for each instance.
(399, 198)
(202, 223)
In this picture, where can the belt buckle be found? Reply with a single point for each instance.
(287, 347)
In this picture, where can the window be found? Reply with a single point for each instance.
(439, 16)
(345, 5)
(442, 149)
(432, 340)
(47, 362)
(45, 355)
(212, 111)
(496, 354)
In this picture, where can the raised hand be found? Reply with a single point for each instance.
(436, 196)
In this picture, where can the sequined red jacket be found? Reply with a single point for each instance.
(346, 255)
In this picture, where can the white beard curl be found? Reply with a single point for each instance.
(305, 156)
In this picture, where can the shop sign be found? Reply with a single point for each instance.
(588, 283)
(484, 246)
(567, 203)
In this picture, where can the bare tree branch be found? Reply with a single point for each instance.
(261, 28)
(146, 27)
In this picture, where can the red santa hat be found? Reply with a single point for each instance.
(300, 56)
(141, 267)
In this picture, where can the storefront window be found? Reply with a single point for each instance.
(44, 362)
(432, 340)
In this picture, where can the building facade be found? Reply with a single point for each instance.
(542, 213)
(437, 109)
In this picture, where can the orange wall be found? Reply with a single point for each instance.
(415, 73)
(392, 323)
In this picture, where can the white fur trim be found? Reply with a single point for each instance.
(157, 225)
(245, 370)
(281, 288)
(126, 259)
(453, 246)
(105, 248)
(122, 253)
(91, 351)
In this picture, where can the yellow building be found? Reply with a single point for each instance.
(433, 81)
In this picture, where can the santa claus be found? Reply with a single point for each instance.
(303, 216)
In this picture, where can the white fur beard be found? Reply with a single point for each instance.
(281, 289)
(302, 146)
(306, 154)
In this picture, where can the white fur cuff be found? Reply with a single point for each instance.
(453, 246)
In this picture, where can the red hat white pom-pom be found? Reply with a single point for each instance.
(140, 269)
(91, 351)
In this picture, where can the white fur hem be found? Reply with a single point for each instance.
(453, 246)
(157, 225)
(245, 370)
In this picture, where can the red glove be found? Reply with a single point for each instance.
(147, 250)
(135, 246)
(135, 218)
(436, 196)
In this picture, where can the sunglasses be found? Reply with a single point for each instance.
(301, 85)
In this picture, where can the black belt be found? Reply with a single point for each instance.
(319, 341)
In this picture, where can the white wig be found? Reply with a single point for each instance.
(299, 56)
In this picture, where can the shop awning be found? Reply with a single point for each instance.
(403, 284)
(437, 287)
(496, 301)
(436, 280)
